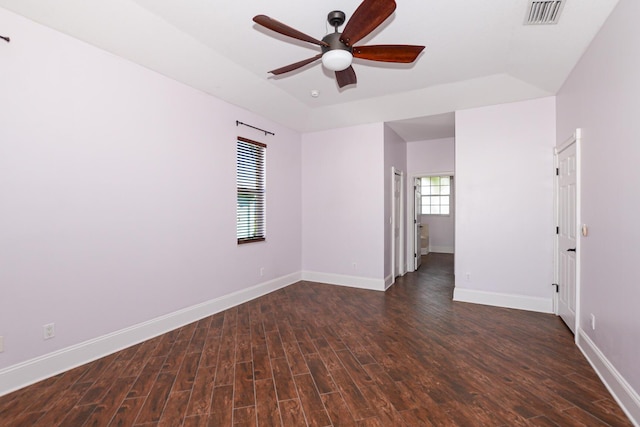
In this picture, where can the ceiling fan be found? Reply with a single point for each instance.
(338, 49)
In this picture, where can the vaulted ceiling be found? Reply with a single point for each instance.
(477, 53)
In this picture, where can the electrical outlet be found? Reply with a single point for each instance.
(1, 344)
(49, 331)
(593, 322)
(261, 271)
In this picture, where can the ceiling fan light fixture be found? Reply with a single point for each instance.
(337, 59)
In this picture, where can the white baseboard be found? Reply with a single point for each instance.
(343, 280)
(31, 371)
(442, 249)
(424, 251)
(520, 302)
(622, 392)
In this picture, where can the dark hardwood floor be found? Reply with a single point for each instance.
(320, 355)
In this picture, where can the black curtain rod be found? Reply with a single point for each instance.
(266, 132)
(7, 39)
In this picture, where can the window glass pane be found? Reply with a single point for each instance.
(436, 195)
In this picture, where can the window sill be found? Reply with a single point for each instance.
(256, 239)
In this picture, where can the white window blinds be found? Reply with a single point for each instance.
(250, 178)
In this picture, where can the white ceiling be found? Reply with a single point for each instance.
(477, 53)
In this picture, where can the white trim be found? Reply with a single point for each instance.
(446, 173)
(31, 371)
(424, 251)
(567, 143)
(441, 249)
(402, 268)
(520, 302)
(344, 280)
(622, 392)
(578, 141)
(416, 235)
(556, 221)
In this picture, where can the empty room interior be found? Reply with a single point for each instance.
(407, 228)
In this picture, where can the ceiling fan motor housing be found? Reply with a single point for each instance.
(334, 42)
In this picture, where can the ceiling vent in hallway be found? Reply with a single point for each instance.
(543, 12)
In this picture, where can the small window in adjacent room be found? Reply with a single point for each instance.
(250, 178)
(436, 195)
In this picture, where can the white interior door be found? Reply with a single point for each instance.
(567, 234)
(397, 214)
(417, 210)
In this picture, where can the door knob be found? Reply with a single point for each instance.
(571, 250)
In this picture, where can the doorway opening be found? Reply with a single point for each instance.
(433, 215)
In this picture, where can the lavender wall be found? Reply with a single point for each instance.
(602, 96)
(504, 199)
(343, 202)
(428, 158)
(117, 188)
(395, 156)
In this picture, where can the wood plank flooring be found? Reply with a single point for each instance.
(320, 355)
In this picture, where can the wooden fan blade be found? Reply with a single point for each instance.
(346, 77)
(366, 18)
(388, 52)
(295, 66)
(285, 30)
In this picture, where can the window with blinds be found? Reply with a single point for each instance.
(250, 178)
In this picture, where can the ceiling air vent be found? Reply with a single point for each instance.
(543, 12)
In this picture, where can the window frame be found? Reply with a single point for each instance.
(257, 230)
(449, 196)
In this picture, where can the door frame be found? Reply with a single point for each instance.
(573, 139)
(411, 209)
(417, 226)
(401, 256)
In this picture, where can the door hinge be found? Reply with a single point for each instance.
(557, 230)
(557, 287)
(415, 255)
(557, 171)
